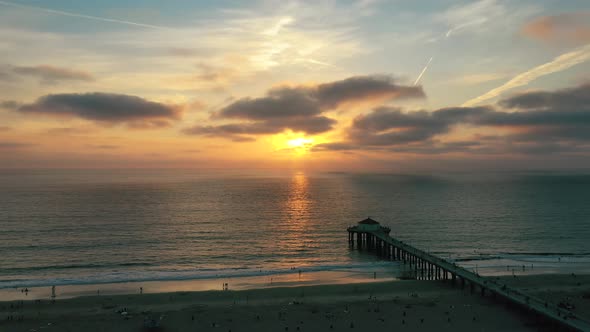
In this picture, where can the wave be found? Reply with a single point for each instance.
(520, 256)
(72, 266)
(196, 274)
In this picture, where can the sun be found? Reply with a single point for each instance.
(294, 145)
(300, 142)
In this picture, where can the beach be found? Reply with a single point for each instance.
(407, 305)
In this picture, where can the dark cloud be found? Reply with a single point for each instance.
(301, 108)
(549, 118)
(539, 122)
(576, 98)
(9, 104)
(562, 115)
(14, 145)
(306, 101)
(106, 108)
(359, 88)
(68, 131)
(52, 74)
(437, 147)
(234, 132)
(104, 146)
(390, 126)
(4, 76)
(279, 103)
(312, 125)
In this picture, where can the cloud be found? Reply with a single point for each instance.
(576, 98)
(9, 104)
(14, 145)
(238, 132)
(472, 79)
(103, 146)
(69, 130)
(5, 128)
(362, 88)
(52, 74)
(214, 74)
(301, 108)
(533, 122)
(186, 52)
(106, 108)
(560, 63)
(562, 28)
(390, 126)
(234, 132)
(5, 76)
(471, 15)
(299, 101)
(275, 29)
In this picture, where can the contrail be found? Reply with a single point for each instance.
(96, 18)
(464, 25)
(447, 35)
(423, 71)
(558, 64)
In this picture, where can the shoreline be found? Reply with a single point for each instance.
(310, 275)
(413, 304)
(291, 279)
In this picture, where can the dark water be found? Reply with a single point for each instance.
(69, 227)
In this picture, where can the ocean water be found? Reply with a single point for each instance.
(72, 227)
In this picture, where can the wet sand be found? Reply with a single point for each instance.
(406, 305)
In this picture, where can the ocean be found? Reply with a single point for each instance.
(79, 227)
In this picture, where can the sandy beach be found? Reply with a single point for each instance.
(406, 305)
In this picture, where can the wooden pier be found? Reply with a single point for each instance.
(370, 235)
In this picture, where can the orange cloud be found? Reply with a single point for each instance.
(567, 27)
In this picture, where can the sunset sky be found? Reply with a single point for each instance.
(329, 85)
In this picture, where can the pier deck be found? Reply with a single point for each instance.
(426, 266)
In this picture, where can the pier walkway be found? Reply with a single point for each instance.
(372, 236)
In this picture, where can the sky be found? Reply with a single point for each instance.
(324, 85)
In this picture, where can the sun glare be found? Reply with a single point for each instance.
(300, 142)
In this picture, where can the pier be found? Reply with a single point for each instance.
(370, 235)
